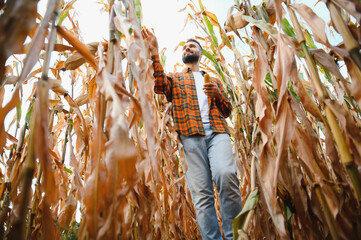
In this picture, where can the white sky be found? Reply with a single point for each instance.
(161, 15)
(165, 18)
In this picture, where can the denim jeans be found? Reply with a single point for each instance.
(210, 159)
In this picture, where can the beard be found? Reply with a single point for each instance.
(190, 58)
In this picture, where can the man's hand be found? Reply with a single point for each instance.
(211, 90)
(152, 41)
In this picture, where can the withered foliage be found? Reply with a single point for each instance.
(99, 158)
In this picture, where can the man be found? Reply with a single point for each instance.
(199, 112)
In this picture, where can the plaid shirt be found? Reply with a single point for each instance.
(180, 89)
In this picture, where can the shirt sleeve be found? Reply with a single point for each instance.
(163, 83)
(223, 103)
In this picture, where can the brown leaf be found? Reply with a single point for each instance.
(264, 113)
(315, 22)
(355, 74)
(306, 99)
(81, 48)
(11, 79)
(67, 212)
(95, 191)
(42, 143)
(13, 102)
(62, 48)
(16, 22)
(326, 61)
(59, 65)
(347, 124)
(74, 163)
(284, 68)
(352, 7)
(235, 21)
(55, 86)
(280, 12)
(82, 99)
(37, 43)
(76, 59)
(137, 56)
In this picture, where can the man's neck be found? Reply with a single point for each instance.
(194, 67)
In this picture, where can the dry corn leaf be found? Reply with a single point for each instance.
(37, 42)
(56, 86)
(212, 18)
(352, 7)
(354, 73)
(16, 22)
(11, 79)
(53, 102)
(66, 214)
(136, 54)
(284, 68)
(42, 143)
(78, 45)
(76, 59)
(82, 99)
(235, 21)
(4, 110)
(316, 23)
(347, 124)
(152, 201)
(62, 48)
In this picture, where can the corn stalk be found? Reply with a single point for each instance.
(285, 130)
(345, 155)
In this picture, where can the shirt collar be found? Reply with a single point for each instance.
(188, 70)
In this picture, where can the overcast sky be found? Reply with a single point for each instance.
(161, 15)
(164, 17)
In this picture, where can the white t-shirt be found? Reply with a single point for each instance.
(202, 97)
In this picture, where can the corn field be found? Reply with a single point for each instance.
(99, 158)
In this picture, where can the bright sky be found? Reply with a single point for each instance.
(163, 16)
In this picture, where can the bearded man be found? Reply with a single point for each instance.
(199, 112)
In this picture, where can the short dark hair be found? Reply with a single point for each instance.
(193, 40)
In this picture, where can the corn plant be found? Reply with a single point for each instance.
(88, 151)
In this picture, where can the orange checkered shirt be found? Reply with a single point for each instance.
(180, 89)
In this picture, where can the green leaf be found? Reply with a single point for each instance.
(63, 15)
(210, 56)
(18, 113)
(215, 63)
(293, 93)
(163, 59)
(71, 125)
(138, 11)
(210, 30)
(288, 29)
(250, 204)
(201, 5)
(118, 35)
(262, 11)
(28, 114)
(130, 30)
(261, 24)
(268, 80)
(68, 170)
(326, 73)
(309, 39)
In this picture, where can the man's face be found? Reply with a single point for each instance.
(191, 52)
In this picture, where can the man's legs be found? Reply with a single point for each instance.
(199, 180)
(224, 175)
(210, 158)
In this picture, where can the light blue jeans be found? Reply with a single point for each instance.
(210, 159)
